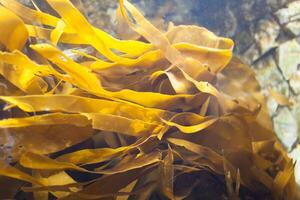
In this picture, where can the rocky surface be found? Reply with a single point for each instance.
(267, 37)
(289, 18)
(288, 58)
(278, 68)
(286, 127)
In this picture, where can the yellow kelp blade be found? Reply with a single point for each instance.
(7, 170)
(192, 129)
(99, 121)
(147, 59)
(28, 14)
(73, 18)
(146, 29)
(47, 119)
(133, 127)
(78, 104)
(57, 32)
(36, 161)
(133, 162)
(90, 156)
(77, 21)
(202, 45)
(7, 88)
(87, 80)
(202, 151)
(14, 35)
(22, 72)
(61, 181)
(33, 16)
(206, 55)
(83, 77)
(111, 184)
(284, 179)
(43, 139)
(74, 38)
(231, 83)
(167, 174)
(45, 33)
(57, 179)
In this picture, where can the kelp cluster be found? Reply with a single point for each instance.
(131, 119)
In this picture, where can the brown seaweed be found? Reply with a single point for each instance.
(132, 119)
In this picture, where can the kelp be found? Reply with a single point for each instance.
(149, 118)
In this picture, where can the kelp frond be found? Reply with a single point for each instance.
(128, 118)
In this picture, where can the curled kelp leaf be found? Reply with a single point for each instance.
(158, 118)
(15, 35)
(22, 73)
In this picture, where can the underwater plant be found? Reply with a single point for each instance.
(154, 118)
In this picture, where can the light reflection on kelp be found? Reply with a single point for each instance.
(131, 118)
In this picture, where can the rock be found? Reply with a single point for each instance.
(296, 111)
(230, 25)
(295, 82)
(100, 13)
(282, 88)
(290, 13)
(266, 34)
(286, 127)
(77, 57)
(289, 17)
(288, 58)
(251, 54)
(267, 72)
(247, 8)
(293, 28)
(272, 105)
(295, 156)
(277, 4)
(26, 2)
(40, 4)
(269, 76)
(243, 41)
